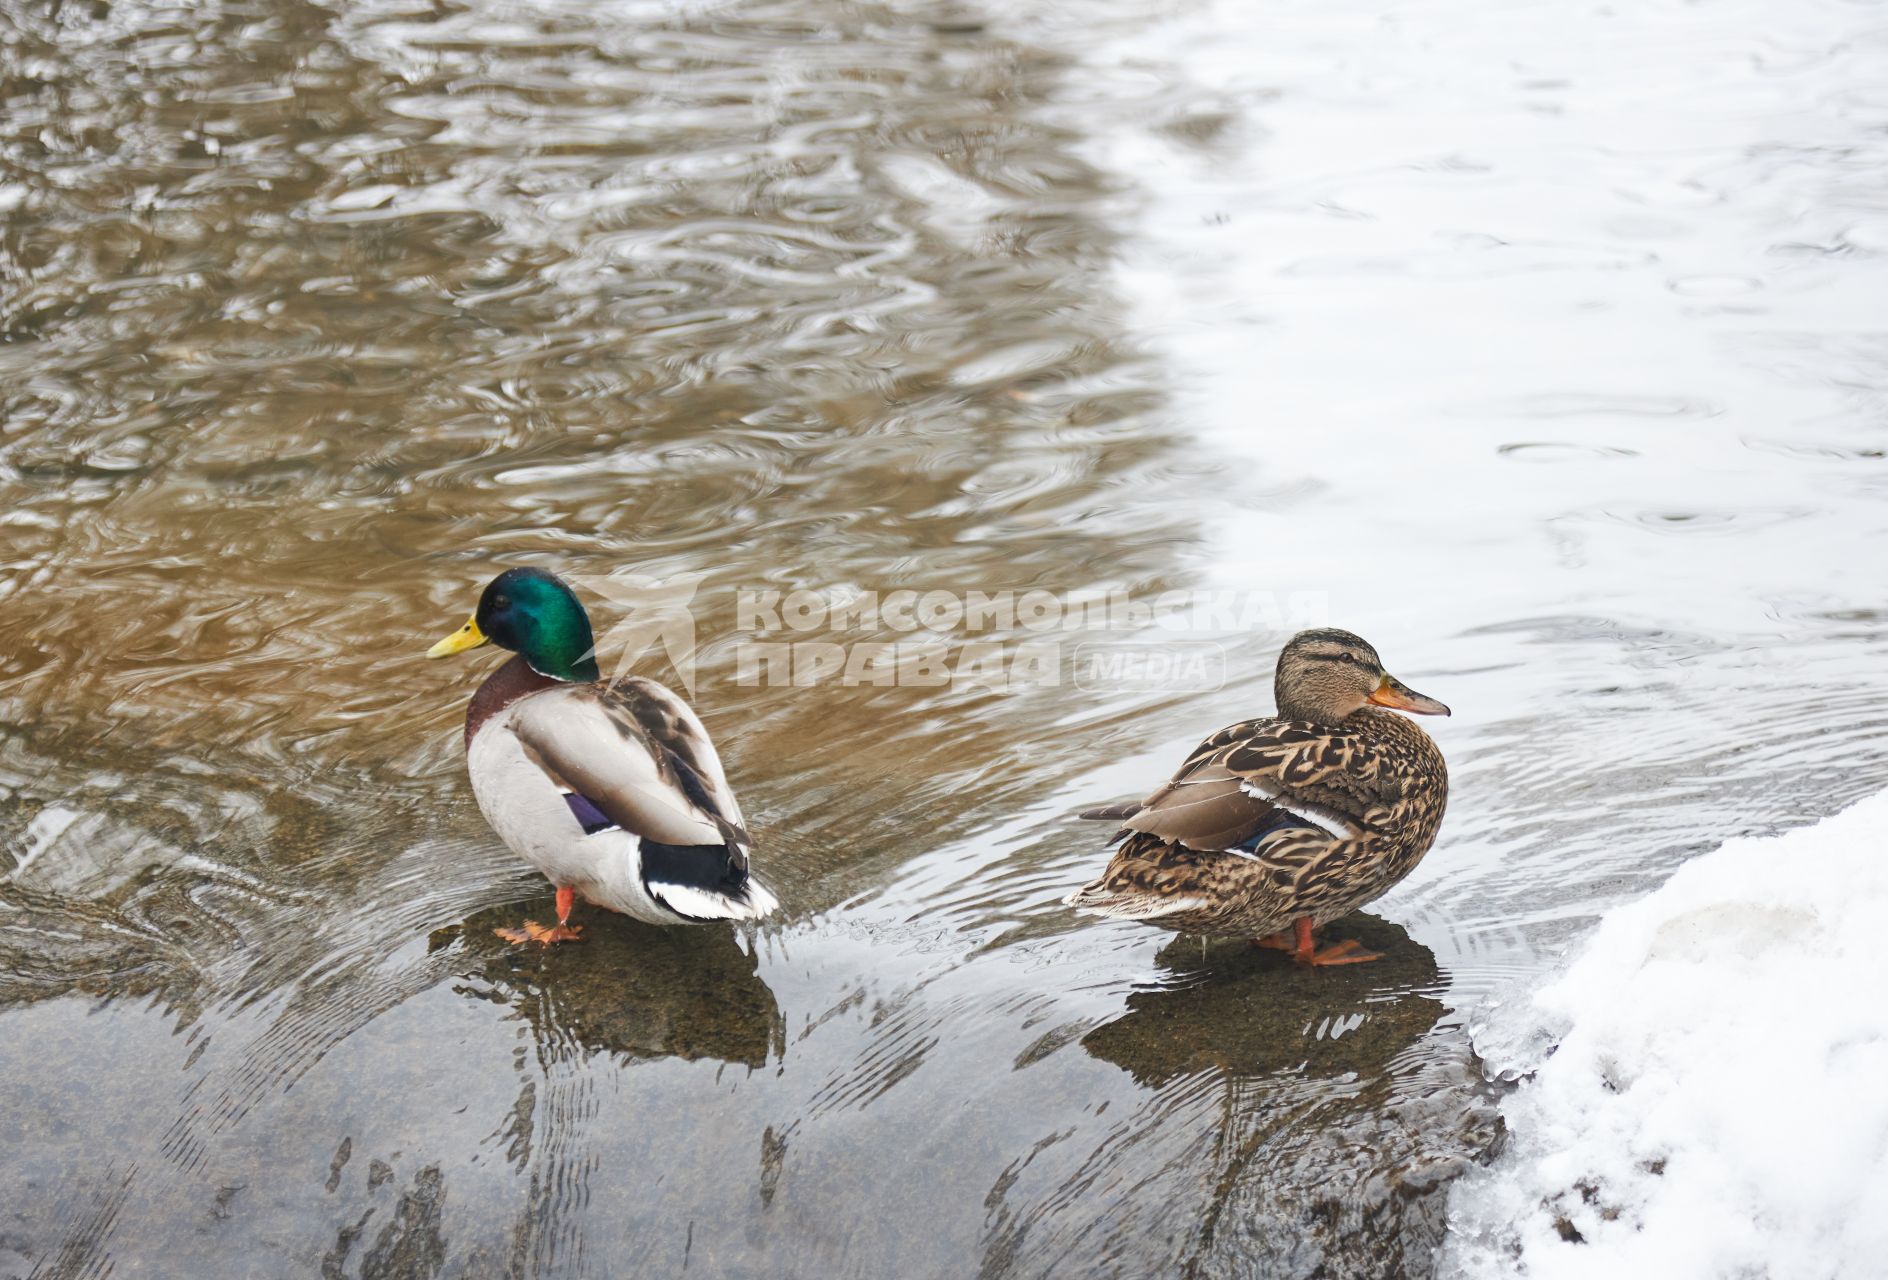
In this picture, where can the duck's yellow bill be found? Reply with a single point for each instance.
(467, 637)
(1392, 692)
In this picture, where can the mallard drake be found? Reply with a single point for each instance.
(610, 788)
(1274, 827)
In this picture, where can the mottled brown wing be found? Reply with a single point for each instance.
(1207, 809)
(1204, 806)
(1323, 774)
(1235, 783)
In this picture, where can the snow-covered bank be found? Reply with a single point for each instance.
(1717, 1104)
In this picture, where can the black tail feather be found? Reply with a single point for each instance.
(717, 868)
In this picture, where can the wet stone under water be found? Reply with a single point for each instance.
(312, 317)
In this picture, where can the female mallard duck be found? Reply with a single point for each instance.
(611, 789)
(1286, 823)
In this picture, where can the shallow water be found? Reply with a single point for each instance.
(1547, 347)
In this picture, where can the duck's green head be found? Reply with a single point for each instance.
(535, 615)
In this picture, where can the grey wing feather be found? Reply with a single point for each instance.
(640, 755)
(672, 724)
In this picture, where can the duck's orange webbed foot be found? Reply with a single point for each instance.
(565, 931)
(1349, 951)
(1276, 941)
(535, 932)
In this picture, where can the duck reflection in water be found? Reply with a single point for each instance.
(635, 990)
(1283, 1120)
(1248, 1011)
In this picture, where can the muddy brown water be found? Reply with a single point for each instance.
(312, 317)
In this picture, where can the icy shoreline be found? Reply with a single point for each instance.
(1712, 1102)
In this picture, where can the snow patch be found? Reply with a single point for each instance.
(1710, 1079)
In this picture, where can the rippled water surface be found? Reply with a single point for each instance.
(1547, 344)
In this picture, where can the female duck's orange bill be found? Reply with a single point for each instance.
(1394, 693)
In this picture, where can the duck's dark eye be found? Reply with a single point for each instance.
(1345, 657)
(501, 602)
